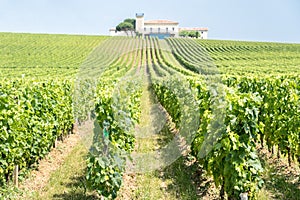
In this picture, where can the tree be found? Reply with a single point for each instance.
(192, 34)
(126, 25)
(183, 33)
(131, 21)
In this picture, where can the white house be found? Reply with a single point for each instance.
(157, 28)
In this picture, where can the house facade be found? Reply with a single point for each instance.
(157, 28)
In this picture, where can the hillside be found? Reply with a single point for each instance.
(156, 118)
(37, 55)
(62, 55)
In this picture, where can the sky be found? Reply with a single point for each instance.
(251, 20)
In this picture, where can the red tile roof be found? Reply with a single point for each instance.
(160, 22)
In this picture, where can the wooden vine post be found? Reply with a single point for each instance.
(16, 176)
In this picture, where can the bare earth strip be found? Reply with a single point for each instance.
(39, 178)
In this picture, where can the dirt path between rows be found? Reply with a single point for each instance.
(145, 180)
(38, 179)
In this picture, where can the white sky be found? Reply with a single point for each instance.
(257, 20)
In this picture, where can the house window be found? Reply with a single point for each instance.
(167, 29)
(145, 29)
(158, 29)
(151, 29)
(173, 29)
(202, 32)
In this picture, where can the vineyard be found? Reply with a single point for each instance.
(225, 100)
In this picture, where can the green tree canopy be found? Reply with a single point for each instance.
(183, 33)
(192, 34)
(131, 21)
(126, 25)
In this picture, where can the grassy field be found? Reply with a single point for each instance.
(44, 55)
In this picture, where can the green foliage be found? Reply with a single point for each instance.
(192, 34)
(33, 114)
(265, 106)
(233, 162)
(44, 55)
(251, 58)
(237, 57)
(125, 26)
(183, 33)
(9, 192)
(279, 113)
(106, 162)
(168, 100)
(104, 173)
(131, 21)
